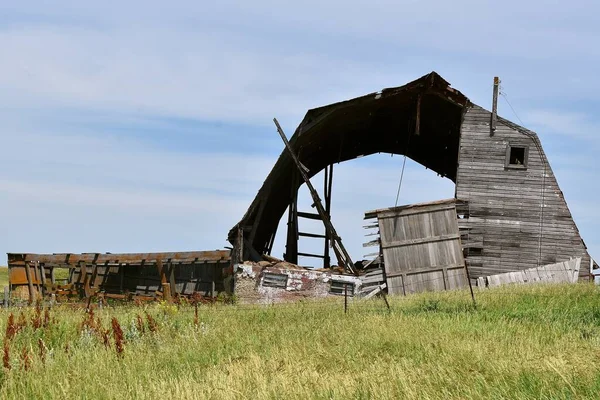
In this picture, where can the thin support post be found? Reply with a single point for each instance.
(6, 297)
(470, 286)
(345, 298)
(291, 246)
(385, 299)
(121, 277)
(328, 182)
(40, 269)
(164, 285)
(29, 282)
(271, 242)
(172, 283)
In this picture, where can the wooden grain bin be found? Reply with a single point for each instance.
(421, 247)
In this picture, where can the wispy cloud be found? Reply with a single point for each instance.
(134, 126)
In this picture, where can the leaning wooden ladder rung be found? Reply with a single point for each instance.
(339, 249)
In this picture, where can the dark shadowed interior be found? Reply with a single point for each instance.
(421, 120)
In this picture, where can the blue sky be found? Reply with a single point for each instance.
(141, 126)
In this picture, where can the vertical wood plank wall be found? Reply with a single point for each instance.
(504, 226)
(421, 248)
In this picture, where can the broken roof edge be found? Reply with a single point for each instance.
(314, 116)
(432, 80)
(101, 258)
(373, 213)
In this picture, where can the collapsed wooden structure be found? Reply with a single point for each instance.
(140, 275)
(511, 212)
(508, 213)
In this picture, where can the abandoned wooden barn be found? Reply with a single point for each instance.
(508, 213)
(510, 210)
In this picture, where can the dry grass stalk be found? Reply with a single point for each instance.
(104, 333)
(42, 350)
(26, 359)
(118, 335)
(152, 324)
(36, 320)
(22, 322)
(140, 324)
(46, 322)
(6, 356)
(11, 328)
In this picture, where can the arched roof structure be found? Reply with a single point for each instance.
(421, 120)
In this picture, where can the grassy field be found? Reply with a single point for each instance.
(3, 279)
(520, 343)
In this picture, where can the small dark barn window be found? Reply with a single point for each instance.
(337, 287)
(271, 279)
(516, 156)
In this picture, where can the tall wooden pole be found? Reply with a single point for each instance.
(495, 106)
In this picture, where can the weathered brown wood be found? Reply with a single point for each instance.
(94, 275)
(328, 186)
(166, 291)
(312, 235)
(307, 215)
(131, 258)
(172, 283)
(30, 283)
(311, 255)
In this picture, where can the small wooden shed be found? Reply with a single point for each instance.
(421, 247)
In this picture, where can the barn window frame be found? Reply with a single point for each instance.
(522, 160)
(275, 280)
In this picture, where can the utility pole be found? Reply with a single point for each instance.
(495, 106)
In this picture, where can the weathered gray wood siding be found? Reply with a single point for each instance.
(421, 248)
(514, 218)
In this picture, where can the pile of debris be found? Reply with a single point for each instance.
(272, 280)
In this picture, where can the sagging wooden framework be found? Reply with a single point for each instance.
(513, 213)
(144, 275)
(293, 227)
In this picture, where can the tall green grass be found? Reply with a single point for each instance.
(519, 343)
(3, 279)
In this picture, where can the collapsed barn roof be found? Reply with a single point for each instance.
(421, 120)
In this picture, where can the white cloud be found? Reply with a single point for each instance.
(576, 125)
(247, 62)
